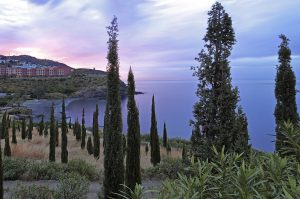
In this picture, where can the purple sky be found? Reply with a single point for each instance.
(158, 38)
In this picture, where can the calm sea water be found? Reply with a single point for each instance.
(174, 105)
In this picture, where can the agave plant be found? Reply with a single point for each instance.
(139, 192)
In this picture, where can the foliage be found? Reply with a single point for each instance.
(52, 143)
(215, 113)
(96, 137)
(30, 128)
(72, 186)
(165, 136)
(89, 146)
(138, 192)
(64, 138)
(41, 126)
(285, 92)
(14, 137)
(133, 168)
(154, 139)
(32, 192)
(113, 143)
(83, 131)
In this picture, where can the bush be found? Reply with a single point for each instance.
(45, 170)
(32, 192)
(14, 168)
(83, 169)
(72, 186)
(167, 168)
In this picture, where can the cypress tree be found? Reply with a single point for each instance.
(78, 131)
(184, 155)
(1, 174)
(215, 112)
(154, 139)
(4, 125)
(30, 129)
(56, 133)
(113, 159)
(133, 169)
(89, 146)
(41, 126)
(23, 133)
(14, 137)
(146, 149)
(70, 123)
(285, 92)
(96, 136)
(46, 129)
(52, 136)
(165, 137)
(169, 149)
(64, 138)
(7, 151)
(83, 131)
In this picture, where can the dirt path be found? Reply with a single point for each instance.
(52, 184)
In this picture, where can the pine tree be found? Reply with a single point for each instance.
(52, 136)
(56, 134)
(14, 137)
(7, 151)
(89, 146)
(23, 133)
(30, 129)
(64, 138)
(285, 92)
(96, 136)
(215, 112)
(165, 137)
(133, 168)
(41, 126)
(113, 159)
(83, 131)
(154, 139)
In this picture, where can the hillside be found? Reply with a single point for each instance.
(33, 60)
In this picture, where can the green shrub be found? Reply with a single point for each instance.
(14, 168)
(83, 169)
(32, 192)
(72, 186)
(45, 170)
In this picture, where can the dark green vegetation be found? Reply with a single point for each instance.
(96, 136)
(154, 139)
(133, 170)
(89, 146)
(285, 92)
(1, 174)
(30, 128)
(215, 118)
(113, 146)
(23, 133)
(165, 136)
(52, 143)
(83, 131)
(14, 138)
(64, 138)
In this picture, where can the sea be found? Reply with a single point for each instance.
(174, 102)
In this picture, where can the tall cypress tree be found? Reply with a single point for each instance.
(52, 136)
(70, 123)
(78, 131)
(56, 133)
(4, 125)
(46, 129)
(96, 137)
(215, 112)
(154, 139)
(30, 129)
(285, 91)
(14, 137)
(165, 136)
(113, 159)
(23, 132)
(89, 146)
(41, 126)
(133, 169)
(1, 174)
(7, 151)
(83, 131)
(64, 138)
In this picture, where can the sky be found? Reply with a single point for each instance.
(158, 38)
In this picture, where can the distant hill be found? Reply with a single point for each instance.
(34, 60)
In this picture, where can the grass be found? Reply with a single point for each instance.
(38, 149)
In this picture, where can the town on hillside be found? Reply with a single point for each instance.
(10, 67)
